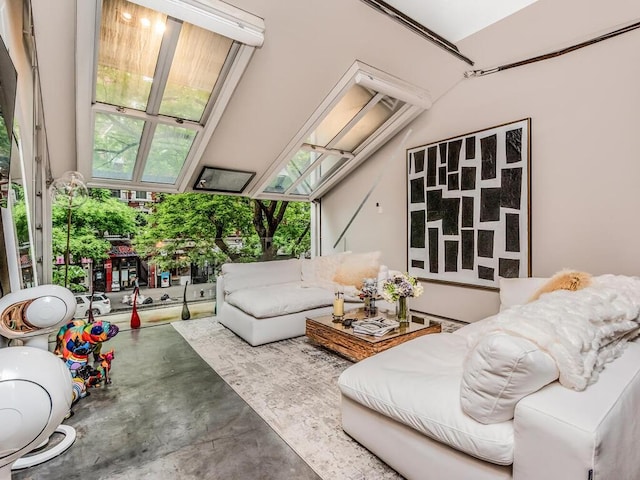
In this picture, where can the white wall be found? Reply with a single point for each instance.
(585, 169)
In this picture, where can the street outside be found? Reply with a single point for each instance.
(196, 292)
(200, 301)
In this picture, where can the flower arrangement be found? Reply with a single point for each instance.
(401, 285)
(369, 288)
(368, 293)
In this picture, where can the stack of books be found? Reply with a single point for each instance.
(375, 326)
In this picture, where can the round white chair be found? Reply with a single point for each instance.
(33, 403)
(30, 315)
(35, 396)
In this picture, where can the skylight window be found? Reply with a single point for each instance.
(169, 147)
(125, 74)
(159, 69)
(365, 110)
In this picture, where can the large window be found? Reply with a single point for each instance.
(158, 69)
(364, 110)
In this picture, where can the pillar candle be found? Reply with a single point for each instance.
(338, 307)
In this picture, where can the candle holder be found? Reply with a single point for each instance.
(338, 306)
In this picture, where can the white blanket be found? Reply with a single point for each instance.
(581, 330)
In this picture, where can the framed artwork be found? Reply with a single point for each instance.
(468, 209)
(223, 180)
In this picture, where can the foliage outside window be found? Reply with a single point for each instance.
(101, 213)
(221, 228)
(183, 230)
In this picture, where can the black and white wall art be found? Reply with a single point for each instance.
(469, 207)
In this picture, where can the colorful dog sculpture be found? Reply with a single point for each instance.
(103, 365)
(76, 341)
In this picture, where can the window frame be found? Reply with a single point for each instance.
(245, 29)
(416, 101)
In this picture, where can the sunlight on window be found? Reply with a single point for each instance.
(123, 70)
(344, 111)
(196, 66)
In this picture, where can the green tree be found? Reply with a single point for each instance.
(267, 216)
(19, 213)
(293, 235)
(281, 225)
(5, 147)
(198, 226)
(99, 215)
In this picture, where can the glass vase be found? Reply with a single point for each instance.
(401, 310)
(373, 310)
(367, 305)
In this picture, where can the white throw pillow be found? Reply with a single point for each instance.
(518, 291)
(319, 271)
(499, 372)
(356, 267)
(383, 276)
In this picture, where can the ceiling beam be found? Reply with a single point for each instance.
(416, 27)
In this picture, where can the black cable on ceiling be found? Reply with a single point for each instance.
(557, 53)
(416, 27)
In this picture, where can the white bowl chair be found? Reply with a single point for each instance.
(35, 385)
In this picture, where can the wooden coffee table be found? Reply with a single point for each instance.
(325, 332)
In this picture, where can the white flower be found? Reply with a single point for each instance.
(401, 285)
(369, 288)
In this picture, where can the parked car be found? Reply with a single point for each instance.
(101, 305)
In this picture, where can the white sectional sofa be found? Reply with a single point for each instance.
(264, 302)
(469, 405)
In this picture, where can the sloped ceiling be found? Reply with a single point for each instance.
(308, 46)
(546, 26)
(457, 20)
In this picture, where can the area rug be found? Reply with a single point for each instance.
(292, 385)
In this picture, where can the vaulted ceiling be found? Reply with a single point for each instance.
(308, 46)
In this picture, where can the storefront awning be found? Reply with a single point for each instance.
(120, 251)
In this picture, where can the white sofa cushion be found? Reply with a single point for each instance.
(518, 291)
(279, 299)
(418, 383)
(499, 372)
(258, 274)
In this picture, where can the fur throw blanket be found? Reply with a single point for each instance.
(582, 330)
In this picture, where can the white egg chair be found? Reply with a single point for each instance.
(35, 396)
(35, 385)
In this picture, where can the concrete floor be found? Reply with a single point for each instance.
(167, 415)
